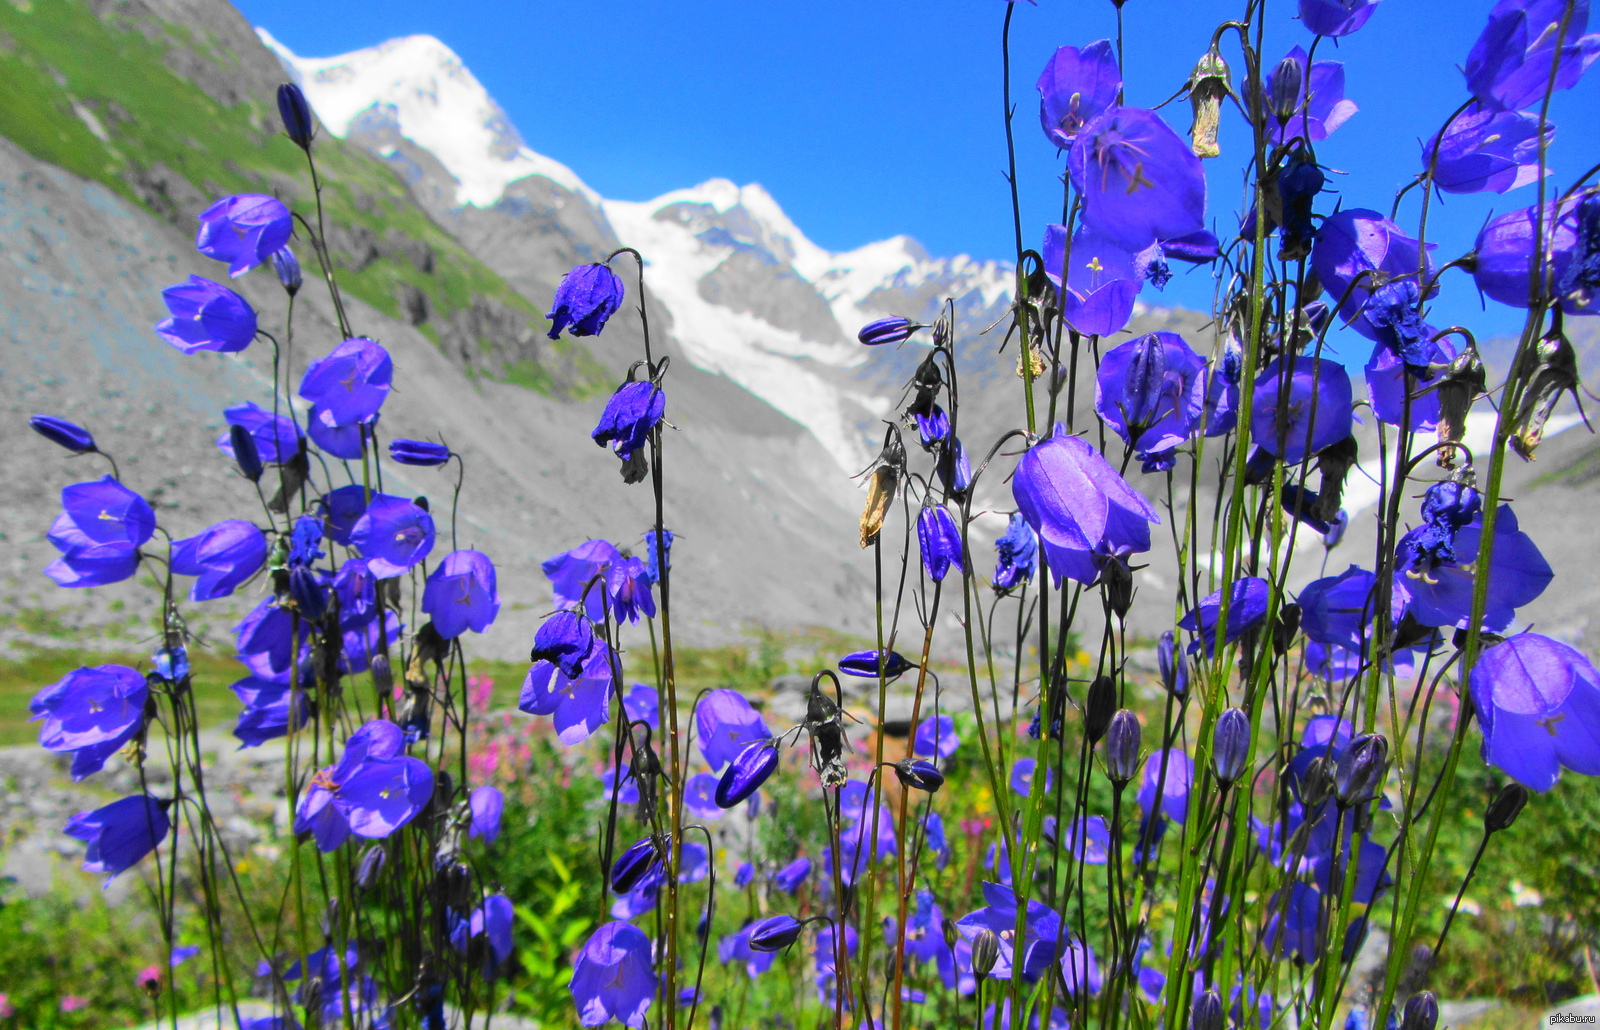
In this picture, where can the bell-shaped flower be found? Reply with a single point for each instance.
(1167, 775)
(418, 452)
(265, 715)
(583, 567)
(580, 703)
(700, 795)
(628, 587)
(1356, 241)
(1312, 412)
(98, 533)
(612, 977)
(953, 468)
(1140, 180)
(1442, 596)
(1016, 554)
(461, 594)
(1486, 151)
(631, 413)
(223, 556)
(347, 442)
(1247, 609)
(121, 833)
(1338, 610)
(790, 877)
(932, 427)
(486, 804)
(567, 639)
(91, 712)
(736, 947)
(1151, 391)
(585, 298)
(244, 231)
(1335, 17)
(939, 541)
(372, 791)
(641, 858)
(1075, 87)
(1293, 117)
(1101, 279)
(1509, 67)
(490, 922)
(1041, 923)
(726, 724)
(1390, 380)
(1080, 508)
(206, 316)
(1503, 255)
(351, 383)
(393, 534)
(1022, 771)
(1539, 704)
(263, 638)
(70, 435)
(936, 736)
(276, 436)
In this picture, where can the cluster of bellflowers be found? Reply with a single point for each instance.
(350, 656)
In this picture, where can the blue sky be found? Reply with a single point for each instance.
(868, 120)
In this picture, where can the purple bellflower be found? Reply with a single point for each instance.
(1509, 66)
(1356, 241)
(580, 704)
(1168, 774)
(643, 704)
(92, 712)
(351, 383)
(223, 556)
(486, 805)
(263, 640)
(1140, 181)
(1247, 609)
(1315, 409)
(1101, 282)
(932, 427)
(461, 594)
(612, 977)
(276, 437)
(700, 795)
(631, 413)
(936, 735)
(570, 572)
(939, 540)
(1151, 392)
(653, 574)
(1075, 87)
(418, 452)
(1041, 926)
(1338, 610)
(1390, 379)
(1022, 777)
(372, 791)
(1484, 150)
(393, 534)
(1314, 121)
(1335, 17)
(1539, 703)
(567, 639)
(790, 877)
(244, 231)
(121, 833)
(726, 724)
(491, 921)
(1017, 554)
(73, 437)
(206, 316)
(98, 533)
(1504, 254)
(1442, 596)
(265, 715)
(347, 441)
(586, 297)
(1082, 510)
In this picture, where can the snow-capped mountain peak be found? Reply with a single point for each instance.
(419, 84)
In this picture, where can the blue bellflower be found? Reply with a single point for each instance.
(1356, 241)
(1076, 86)
(393, 534)
(939, 540)
(1247, 609)
(461, 594)
(1151, 392)
(120, 834)
(276, 437)
(1335, 17)
(1017, 554)
(612, 977)
(1313, 413)
(1327, 108)
(98, 533)
(418, 452)
(91, 713)
(223, 556)
(1509, 66)
(1101, 279)
(372, 791)
(581, 703)
(350, 384)
(1503, 254)
(1486, 151)
(1140, 181)
(631, 413)
(1539, 704)
(73, 437)
(1442, 595)
(204, 315)
(726, 724)
(586, 297)
(244, 231)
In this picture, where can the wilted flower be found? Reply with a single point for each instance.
(894, 329)
(244, 230)
(1140, 181)
(461, 594)
(206, 316)
(92, 712)
(372, 791)
(939, 540)
(1311, 413)
(1538, 701)
(1017, 553)
(1509, 67)
(418, 452)
(631, 413)
(296, 115)
(1297, 118)
(98, 533)
(121, 833)
(73, 437)
(586, 297)
(1075, 87)
(393, 534)
(223, 556)
(1504, 809)
(351, 383)
(1247, 609)
(1332, 18)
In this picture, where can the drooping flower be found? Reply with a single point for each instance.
(486, 804)
(1101, 279)
(266, 712)
(939, 541)
(1168, 774)
(1338, 610)
(491, 922)
(308, 586)
(204, 315)
(1509, 67)
(631, 413)
(1311, 121)
(612, 977)
(393, 534)
(263, 638)
(1017, 553)
(418, 452)
(1503, 254)
(1151, 391)
(91, 712)
(223, 556)
(1079, 506)
(73, 437)
(1442, 596)
(351, 383)
(1313, 413)
(347, 442)
(372, 791)
(1394, 388)
(567, 639)
(1539, 704)
(98, 533)
(1356, 241)
(580, 703)
(1447, 507)
(936, 736)
(751, 767)
(790, 877)
(244, 230)
(586, 297)
(652, 573)
(1075, 87)
(726, 725)
(1041, 926)
(121, 833)
(1335, 17)
(461, 594)
(1483, 150)
(1140, 181)
(1393, 320)
(1247, 609)
(276, 437)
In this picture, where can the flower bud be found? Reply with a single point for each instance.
(1336, 530)
(1206, 1013)
(296, 115)
(1121, 751)
(641, 858)
(288, 268)
(1174, 670)
(1230, 749)
(1505, 808)
(418, 452)
(1101, 706)
(73, 437)
(887, 330)
(1421, 1012)
(1316, 784)
(775, 933)
(746, 773)
(370, 867)
(382, 675)
(948, 929)
(1117, 580)
(1284, 87)
(245, 453)
(1361, 768)
(985, 953)
(919, 775)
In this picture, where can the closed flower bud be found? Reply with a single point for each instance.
(296, 115)
(634, 865)
(288, 268)
(1101, 706)
(74, 438)
(245, 453)
(1505, 807)
(919, 775)
(370, 867)
(775, 933)
(1121, 751)
(1336, 530)
(1316, 784)
(1117, 580)
(1361, 768)
(887, 330)
(382, 675)
(1284, 88)
(1174, 669)
(746, 773)
(1230, 749)
(1206, 1013)
(418, 452)
(985, 953)
(1421, 1012)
